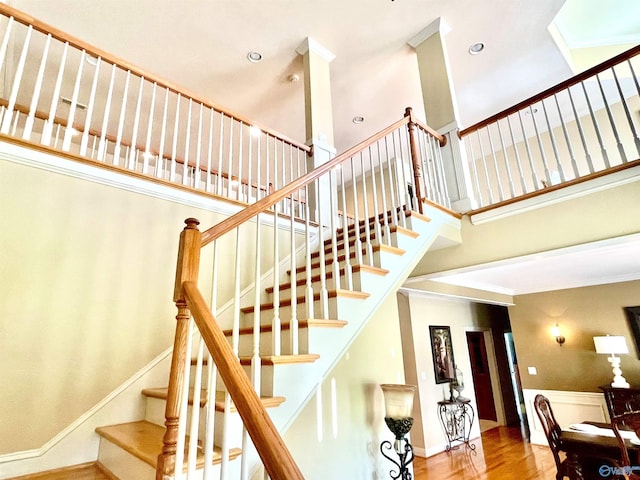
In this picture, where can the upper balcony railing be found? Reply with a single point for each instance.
(65, 94)
(578, 129)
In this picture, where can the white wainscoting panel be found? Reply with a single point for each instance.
(568, 408)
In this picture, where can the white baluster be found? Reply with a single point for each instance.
(627, 112)
(147, 144)
(160, 165)
(123, 111)
(134, 135)
(102, 145)
(534, 174)
(210, 151)
(48, 126)
(92, 100)
(197, 170)
(220, 155)
(15, 87)
(174, 146)
(523, 182)
(187, 146)
(28, 127)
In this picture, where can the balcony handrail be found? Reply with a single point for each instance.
(576, 79)
(58, 34)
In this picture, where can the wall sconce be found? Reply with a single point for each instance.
(555, 331)
(610, 345)
(398, 403)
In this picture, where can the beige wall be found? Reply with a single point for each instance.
(582, 313)
(352, 450)
(597, 216)
(87, 281)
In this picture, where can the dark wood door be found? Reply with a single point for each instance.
(481, 376)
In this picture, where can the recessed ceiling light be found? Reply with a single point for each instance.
(476, 48)
(358, 119)
(254, 57)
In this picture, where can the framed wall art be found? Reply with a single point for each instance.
(442, 350)
(633, 316)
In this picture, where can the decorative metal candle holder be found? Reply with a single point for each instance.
(398, 401)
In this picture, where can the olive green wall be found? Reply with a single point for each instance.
(582, 313)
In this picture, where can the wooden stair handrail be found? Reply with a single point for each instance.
(47, 29)
(275, 456)
(632, 52)
(262, 205)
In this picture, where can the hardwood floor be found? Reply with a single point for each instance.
(501, 454)
(80, 472)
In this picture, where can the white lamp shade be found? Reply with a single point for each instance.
(611, 344)
(398, 400)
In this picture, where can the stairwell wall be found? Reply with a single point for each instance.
(87, 280)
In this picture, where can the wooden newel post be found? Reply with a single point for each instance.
(415, 159)
(187, 270)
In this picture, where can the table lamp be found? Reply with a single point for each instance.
(610, 345)
(398, 403)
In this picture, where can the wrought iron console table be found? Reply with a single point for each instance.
(456, 418)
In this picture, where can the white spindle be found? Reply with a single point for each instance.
(276, 321)
(6, 121)
(348, 271)
(376, 207)
(212, 373)
(230, 165)
(134, 134)
(70, 130)
(474, 170)
(255, 351)
(356, 227)
(197, 174)
(160, 165)
(240, 152)
(534, 174)
(195, 413)
(89, 115)
(235, 337)
(123, 111)
(383, 191)
(26, 135)
(147, 144)
(495, 163)
(220, 155)
(324, 293)
(512, 188)
(210, 151)
(603, 150)
(441, 172)
(627, 112)
(293, 287)
(102, 145)
(554, 145)
(48, 126)
(187, 147)
(523, 182)
(174, 146)
(393, 181)
(335, 265)
(367, 218)
(485, 168)
(623, 155)
(307, 256)
(5, 41)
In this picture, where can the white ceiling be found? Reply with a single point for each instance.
(609, 261)
(202, 46)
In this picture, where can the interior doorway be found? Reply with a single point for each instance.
(481, 373)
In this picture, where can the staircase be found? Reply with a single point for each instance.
(391, 244)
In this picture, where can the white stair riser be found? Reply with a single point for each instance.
(284, 313)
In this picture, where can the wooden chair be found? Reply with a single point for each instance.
(626, 421)
(552, 432)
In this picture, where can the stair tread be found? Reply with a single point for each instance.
(301, 299)
(307, 323)
(144, 440)
(283, 359)
(316, 278)
(342, 257)
(351, 236)
(161, 393)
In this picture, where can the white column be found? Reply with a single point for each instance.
(441, 110)
(318, 116)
